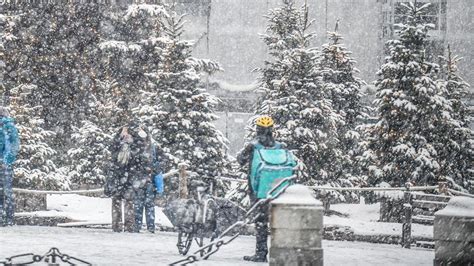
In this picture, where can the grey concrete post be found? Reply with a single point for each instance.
(296, 222)
(454, 233)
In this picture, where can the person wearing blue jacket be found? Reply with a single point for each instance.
(9, 147)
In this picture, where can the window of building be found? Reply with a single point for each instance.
(394, 13)
(435, 13)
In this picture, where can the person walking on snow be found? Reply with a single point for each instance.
(9, 147)
(245, 157)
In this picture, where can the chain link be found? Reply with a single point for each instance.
(52, 254)
(206, 251)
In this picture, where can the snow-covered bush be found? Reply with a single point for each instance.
(34, 168)
(90, 156)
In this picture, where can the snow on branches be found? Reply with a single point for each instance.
(180, 111)
(414, 139)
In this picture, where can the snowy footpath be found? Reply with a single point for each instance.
(103, 247)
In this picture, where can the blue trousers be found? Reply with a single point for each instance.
(7, 203)
(145, 200)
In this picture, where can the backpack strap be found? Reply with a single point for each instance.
(258, 146)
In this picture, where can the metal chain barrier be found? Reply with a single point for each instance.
(52, 257)
(211, 248)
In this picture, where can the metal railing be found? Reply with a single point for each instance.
(85, 191)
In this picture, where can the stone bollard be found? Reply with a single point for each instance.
(454, 233)
(296, 222)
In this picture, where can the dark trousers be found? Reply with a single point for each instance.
(129, 215)
(261, 226)
(145, 201)
(7, 202)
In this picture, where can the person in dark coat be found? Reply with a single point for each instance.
(145, 196)
(9, 148)
(129, 172)
(264, 137)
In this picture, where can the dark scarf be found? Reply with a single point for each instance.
(265, 136)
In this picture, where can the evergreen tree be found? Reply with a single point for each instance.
(7, 40)
(401, 146)
(297, 100)
(132, 49)
(344, 91)
(34, 168)
(181, 111)
(283, 23)
(279, 37)
(116, 89)
(56, 51)
(90, 156)
(456, 147)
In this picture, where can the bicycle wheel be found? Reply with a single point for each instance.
(200, 240)
(185, 239)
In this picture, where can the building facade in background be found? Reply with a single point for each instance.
(227, 31)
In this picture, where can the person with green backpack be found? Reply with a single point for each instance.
(268, 163)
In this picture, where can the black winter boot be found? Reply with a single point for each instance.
(256, 258)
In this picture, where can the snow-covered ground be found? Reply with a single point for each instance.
(86, 209)
(362, 218)
(103, 247)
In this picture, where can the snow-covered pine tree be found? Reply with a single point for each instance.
(295, 97)
(55, 51)
(132, 49)
(90, 155)
(7, 40)
(401, 145)
(180, 109)
(117, 88)
(343, 88)
(34, 168)
(279, 37)
(456, 147)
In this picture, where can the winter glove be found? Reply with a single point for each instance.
(158, 181)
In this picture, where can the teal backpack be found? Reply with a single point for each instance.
(269, 166)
